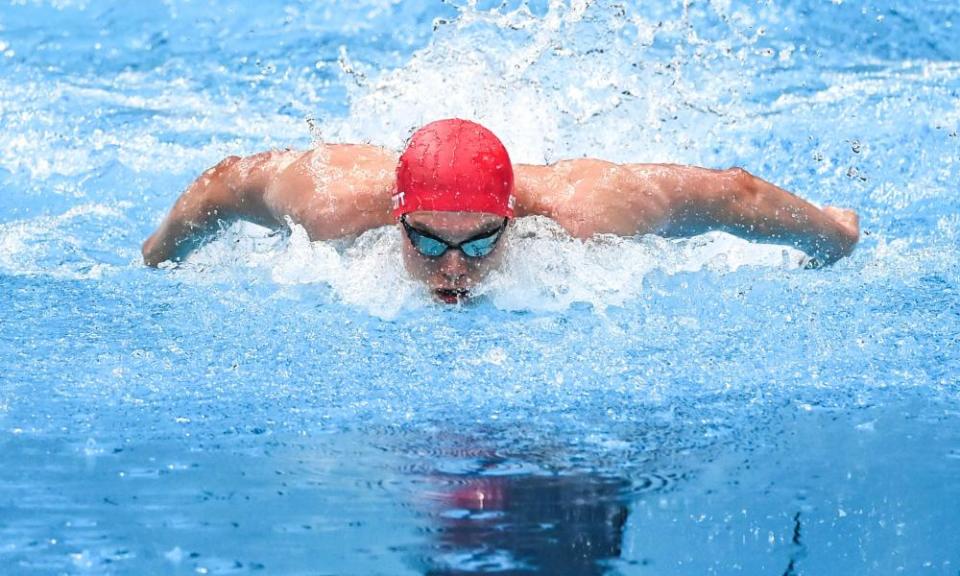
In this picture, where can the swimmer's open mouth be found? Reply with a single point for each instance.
(451, 295)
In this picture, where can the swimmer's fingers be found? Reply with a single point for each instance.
(812, 264)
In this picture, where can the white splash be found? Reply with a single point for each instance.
(582, 80)
(544, 268)
(366, 272)
(49, 245)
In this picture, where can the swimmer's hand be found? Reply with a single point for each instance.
(849, 222)
(154, 252)
(167, 246)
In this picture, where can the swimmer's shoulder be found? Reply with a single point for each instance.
(350, 156)
(588, 196)
(337, 189)
(349, 166)
(552, 189)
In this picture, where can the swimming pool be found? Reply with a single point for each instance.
(618, 406)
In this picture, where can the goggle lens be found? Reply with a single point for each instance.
(481, 246)
(435, 247)
(426, 245)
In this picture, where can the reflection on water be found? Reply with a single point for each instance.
(528, 524)
(837, 490)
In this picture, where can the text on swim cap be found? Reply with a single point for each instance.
(398, 199)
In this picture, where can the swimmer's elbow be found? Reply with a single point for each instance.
(228, 162)
(741, 198)
(740, 187)
(223, 189)
(244, 180)
(739, 176)
(224, 171)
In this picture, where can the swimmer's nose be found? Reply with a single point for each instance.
(453, 266)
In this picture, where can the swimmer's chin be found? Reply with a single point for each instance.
(451, 295)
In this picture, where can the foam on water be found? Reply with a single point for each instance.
(53, 245)
(545, 269)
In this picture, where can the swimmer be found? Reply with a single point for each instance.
(453, 193)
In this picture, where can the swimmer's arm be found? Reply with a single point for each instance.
(735, 201)
(233, 189)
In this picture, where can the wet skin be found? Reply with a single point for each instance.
(339, 190)
(451, 276)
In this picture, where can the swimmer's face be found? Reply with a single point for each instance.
(451, 275)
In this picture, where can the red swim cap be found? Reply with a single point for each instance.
(454, 166)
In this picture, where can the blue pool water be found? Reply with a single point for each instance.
(620, 406)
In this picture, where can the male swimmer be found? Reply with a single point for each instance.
(453, 193)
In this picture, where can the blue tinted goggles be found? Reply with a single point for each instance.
(433, 247)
